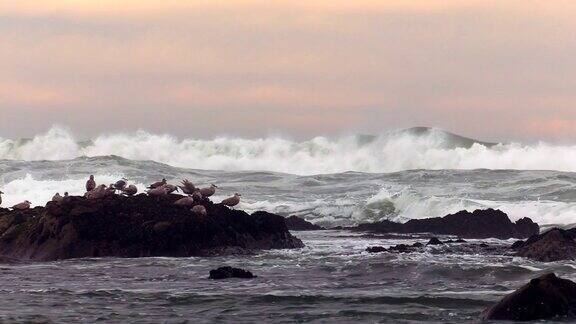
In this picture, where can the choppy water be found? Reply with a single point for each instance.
(548, 197)
(331, 280)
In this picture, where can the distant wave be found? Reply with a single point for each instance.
(417, 148)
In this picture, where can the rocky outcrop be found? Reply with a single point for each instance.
(434, 241)
(476, 225)
(295, 223)
(139, 226)
(420, 247)
(229, 272)
(554, 245)
(546, 297)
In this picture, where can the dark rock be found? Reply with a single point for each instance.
(229, 272)
(139, 226)
(546, 297)
(375, 249)
(434, 241)
(404, 248)
(477, 225)
(517, 244)
(553, 245)
(401, 248)
(295, 223)
(458, 241)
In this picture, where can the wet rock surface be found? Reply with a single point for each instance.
(554, 245)
(296, 223)
(139, 226)
(229, 272)
(448, 246)
(545, 297)
(479, 224)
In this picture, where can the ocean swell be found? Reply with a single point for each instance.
(422, 148)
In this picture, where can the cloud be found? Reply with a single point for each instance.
(17, 94)
(370, 64)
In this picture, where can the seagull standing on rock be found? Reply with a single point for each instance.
(158, 192)
(98, 192)
(22, 206)
(197, 196)
(186, 201)
(111, 190)
(131, 190)
(232, 201)
(187, 187)
(158, 184)
(121, 184)
(170, 188)
(208, 191)
(90, 184)
(57, 198)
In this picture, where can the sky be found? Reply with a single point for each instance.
(494, 70)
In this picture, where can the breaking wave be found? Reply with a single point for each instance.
(329, 211)
(417, 148)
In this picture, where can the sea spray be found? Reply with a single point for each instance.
(333, 200)
(422, 148)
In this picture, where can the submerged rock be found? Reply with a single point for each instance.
(437, 246)
(546, 297)
(229, 272)
(476, 225)
(434, 241)
(295, 223)
(400, 248)
(375, 249)
(139, 226)
(554, 245)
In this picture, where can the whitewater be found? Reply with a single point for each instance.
(398, 175)
(416, 148)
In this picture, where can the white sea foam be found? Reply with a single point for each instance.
(39, 192)
(413, 206)
(397, 151)
(399, 205)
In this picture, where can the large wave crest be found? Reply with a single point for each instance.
(420, 148)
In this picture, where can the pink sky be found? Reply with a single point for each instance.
(496, 70)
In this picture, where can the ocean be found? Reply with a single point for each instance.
(398, 175)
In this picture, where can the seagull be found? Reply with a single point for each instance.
(170, 188)
(131, 190)
(199, 210)
(110, 191)
(90, 184)
(157, 184)
(209, 191)
(186, 201)
(158, 192)
(98, 192)
(232, 201)
(197, 195)
(187, 187)
(22, 206)
(121, 184)
(57, 198)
